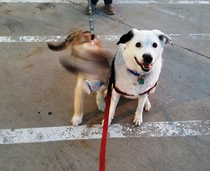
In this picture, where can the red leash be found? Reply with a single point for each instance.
(102, 161)
(102, 164)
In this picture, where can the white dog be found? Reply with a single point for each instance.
(136, 68)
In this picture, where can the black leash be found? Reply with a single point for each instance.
(91, 20)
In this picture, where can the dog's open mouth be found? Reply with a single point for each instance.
(144, 66)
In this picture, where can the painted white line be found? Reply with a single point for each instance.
(162, 2)
(115, 2)
(152, 129)
(12, 39)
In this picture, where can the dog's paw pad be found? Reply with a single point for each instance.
(101, 106)
(137, 121)
(76, 120)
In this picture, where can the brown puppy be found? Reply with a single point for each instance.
(91, 63)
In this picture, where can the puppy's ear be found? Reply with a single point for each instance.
(126, 37)
(163, 37)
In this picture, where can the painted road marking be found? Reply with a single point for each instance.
(116, 1)
(10, 39)
(147, 129)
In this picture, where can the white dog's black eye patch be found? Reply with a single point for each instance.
(138, 44)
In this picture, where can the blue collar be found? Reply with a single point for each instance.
(134, 73)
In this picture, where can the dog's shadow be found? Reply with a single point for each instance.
(124, 111)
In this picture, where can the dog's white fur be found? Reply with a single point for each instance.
(127, 82)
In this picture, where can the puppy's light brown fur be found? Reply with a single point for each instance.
(90, 62)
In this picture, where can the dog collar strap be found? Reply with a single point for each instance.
(123, 93)
(140, 79)
(134, 73)
(94, 86)
(141, 94)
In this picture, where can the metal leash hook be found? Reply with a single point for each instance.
(91, 21)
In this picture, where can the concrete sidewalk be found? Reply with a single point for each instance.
(36, 92)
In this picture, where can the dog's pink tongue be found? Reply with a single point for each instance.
(147, 65)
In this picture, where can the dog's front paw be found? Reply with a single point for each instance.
(101, 106)
(137, 121)
(147, 105)
(76, 120)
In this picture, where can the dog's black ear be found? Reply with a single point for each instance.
(166, 39)
(163, 37)
(126, 37)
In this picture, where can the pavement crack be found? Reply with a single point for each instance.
(113, 19)
(128, 25)
(198, 53)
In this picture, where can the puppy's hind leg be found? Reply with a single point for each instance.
(78, 107)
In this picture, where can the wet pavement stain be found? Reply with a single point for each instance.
(85, 144)
(6, 12)
(14, 25)
(50, 113)
(30, 65)
(36, 51)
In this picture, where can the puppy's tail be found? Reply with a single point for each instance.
(63, 45)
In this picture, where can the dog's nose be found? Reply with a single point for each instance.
(147, 58)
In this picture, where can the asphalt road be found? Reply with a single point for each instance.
(37, 94)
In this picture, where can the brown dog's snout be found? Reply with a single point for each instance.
(147, 58)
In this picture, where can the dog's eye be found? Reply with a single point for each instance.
(138, 44)
(154, 45)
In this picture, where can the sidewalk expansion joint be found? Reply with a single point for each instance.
(208, 57)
